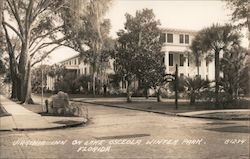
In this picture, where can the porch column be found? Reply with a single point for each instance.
(186, 64)
(167, 61)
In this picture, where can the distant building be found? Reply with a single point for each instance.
(78, 66)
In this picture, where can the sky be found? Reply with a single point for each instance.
(179, 14)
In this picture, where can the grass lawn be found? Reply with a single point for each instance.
(244, 115)
(47, 95)
(167, 105)
(36, 108)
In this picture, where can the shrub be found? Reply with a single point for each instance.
(195, 87)
(83, 82)
(68, 83)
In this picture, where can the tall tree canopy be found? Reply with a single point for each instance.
(213, 41)
(240, 11)
(138, 51)
(89, 34)
(241, 14)
(197, 51)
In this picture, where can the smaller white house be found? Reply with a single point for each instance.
(80, 67)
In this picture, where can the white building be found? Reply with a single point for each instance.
(176, 48)
(79, 67)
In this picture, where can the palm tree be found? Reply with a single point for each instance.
(195, 87)
(197, 51)
(233, 65)
(213, 41)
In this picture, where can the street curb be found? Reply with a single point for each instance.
(214, 118)
(160, 112)
(3, 130)
(117, 106)
(63, 126)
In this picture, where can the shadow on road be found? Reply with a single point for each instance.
(232, 129)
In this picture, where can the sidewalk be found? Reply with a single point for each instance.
(23, 119)
(167, 107)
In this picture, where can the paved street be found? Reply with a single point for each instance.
(122, 133)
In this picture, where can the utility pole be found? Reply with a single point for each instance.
(42, 86)
(176, 86)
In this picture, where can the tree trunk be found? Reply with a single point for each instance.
(28, 98)
(192, 98)
(197, 66)
(94, 74)
(129, 93)
(146, 93)
(19, 85)
(13, 65)
(231, 94)
(14, 89)
(14, 77)
(24, 69)
(95, 64)
(159, 97)
(93, 83)
(217, 76)
(248, 24)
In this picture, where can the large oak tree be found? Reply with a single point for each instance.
(36, 25)
(138, 53)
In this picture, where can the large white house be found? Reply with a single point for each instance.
(176, 50)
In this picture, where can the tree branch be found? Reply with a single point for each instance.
(45, 55)
(44, 45)
(16, 15)
(44, 35)
(12, 28)
(11, 52)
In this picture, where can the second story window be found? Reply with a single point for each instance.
(186, 39)
(171, 60)
(163, 37)
(181, 39)
(170, 38)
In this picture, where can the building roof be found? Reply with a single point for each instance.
(70, 58)
(174, 30)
